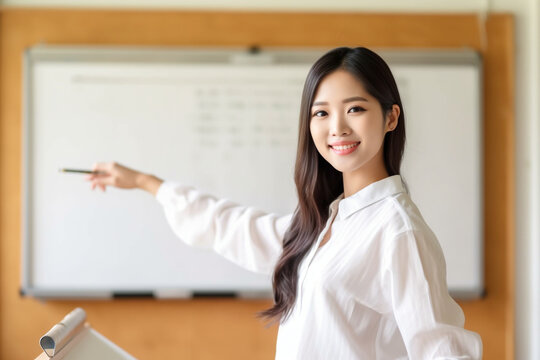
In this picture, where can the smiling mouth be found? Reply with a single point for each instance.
(344, 149)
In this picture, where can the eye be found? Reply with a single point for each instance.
(319, 113)
(356, 109)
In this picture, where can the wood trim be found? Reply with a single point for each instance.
(167, 28)
(217, 328)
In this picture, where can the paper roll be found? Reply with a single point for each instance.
(60, 334)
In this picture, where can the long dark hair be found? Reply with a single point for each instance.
(317, 182)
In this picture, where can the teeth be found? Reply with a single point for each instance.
(344, 147)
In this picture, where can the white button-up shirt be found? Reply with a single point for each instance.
(376, 290)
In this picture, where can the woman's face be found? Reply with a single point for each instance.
(347, 125)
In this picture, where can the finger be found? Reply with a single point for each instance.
(103, 168)
(103, 180)
(102, 187)
(101, 175)
(100, 172)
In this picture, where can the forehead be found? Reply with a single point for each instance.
(340, 84)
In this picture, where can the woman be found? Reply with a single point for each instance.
(357, 273)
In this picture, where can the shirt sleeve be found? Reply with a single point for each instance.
(246, 236)
(430, 321)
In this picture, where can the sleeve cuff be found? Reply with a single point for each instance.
(165, 190)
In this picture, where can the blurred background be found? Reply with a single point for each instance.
(505, 32)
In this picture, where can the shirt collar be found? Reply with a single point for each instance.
(369, 195)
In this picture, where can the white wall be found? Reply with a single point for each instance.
(527, 16)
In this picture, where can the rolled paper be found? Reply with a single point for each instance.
(60, 334)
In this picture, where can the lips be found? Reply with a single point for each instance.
(344, 148)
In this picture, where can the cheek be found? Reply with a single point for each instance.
(372, 131)
(316, 133)
(375, 140)
(312, 128)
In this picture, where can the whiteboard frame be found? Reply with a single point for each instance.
(238, 56)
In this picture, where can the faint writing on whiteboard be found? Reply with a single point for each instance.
(246, 116)
(228, 113)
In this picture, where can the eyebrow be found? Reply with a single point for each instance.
(351, 99)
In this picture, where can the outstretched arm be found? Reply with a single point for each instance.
(247, 236)
(244, 235)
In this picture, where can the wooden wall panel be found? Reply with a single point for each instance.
(227, 328)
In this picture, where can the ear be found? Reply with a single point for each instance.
(392, 118)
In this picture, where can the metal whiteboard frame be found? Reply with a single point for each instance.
(234, 56)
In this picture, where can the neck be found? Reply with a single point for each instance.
(354, 186)
(374, 170)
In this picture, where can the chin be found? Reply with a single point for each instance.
(343, 168)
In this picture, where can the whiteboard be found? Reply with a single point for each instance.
(225, 121)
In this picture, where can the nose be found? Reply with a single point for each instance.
(339, 126)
